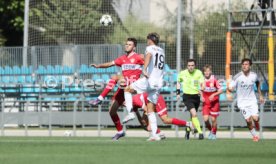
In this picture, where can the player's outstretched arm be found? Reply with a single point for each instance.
(104, 65)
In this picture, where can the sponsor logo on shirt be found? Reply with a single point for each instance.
(132, 60)
(210, 89)
(130, 67)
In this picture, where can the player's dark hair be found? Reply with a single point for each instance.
(191, 60)
(154, 37)
(247, 60)
(134, 40)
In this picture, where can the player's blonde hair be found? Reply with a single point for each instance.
(207, 66)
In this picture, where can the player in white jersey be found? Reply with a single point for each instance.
(151, 82)
(244, 83)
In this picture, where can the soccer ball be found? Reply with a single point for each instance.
(106, 20)
(68, 133)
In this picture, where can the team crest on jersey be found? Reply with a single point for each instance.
(132, 60)
(211, 84)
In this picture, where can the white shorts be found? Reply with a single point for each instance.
(142, 85)
(248, 110)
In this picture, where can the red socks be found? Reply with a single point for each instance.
(117, 122)
(176, 121)
(108, 87)
(257, 125)
(214, 130)
(158, 131)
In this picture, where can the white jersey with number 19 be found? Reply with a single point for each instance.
(156, 65)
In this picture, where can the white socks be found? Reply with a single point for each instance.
(153, 123)
(128, 101)
(120, 132)
(253, 132)
(100, 98)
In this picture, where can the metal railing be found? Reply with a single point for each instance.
(99, 118)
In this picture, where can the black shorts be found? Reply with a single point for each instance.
(191, 101)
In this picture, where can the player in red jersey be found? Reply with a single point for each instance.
(131, 64)
(141, 100)
(211, 90)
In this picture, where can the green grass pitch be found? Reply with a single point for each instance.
(90, 150)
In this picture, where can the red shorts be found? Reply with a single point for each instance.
(161, 107)
(140, 100)
(119, 96)
(211, 108)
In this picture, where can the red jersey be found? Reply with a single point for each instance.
(140, 100)
(211, 86)
(131, 66)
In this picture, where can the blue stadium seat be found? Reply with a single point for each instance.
(8, 70)
(175, 75)
(58, 69)
(167, 68)
(111, 70)
(29, 79)
(1, 71)
(50, 70)
(167, 77)
(223, 97)
(106, 77)
(264, 87)
(24, 70)
(41, 70)
(93, 70)
(5, 79)
(223, 86)
(68, 70)
(16, 70)
(83, 69)
(96, 77)
(21, 79)
(30, 69)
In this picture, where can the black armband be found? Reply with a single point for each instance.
(178, 92)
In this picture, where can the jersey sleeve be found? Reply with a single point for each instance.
(118, 61)
(201, 77)
(180, 77)
(140, 60)
(148, 50)
(217, 84)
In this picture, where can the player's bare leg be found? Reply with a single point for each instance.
(208, 125)
(196, 123)
(110, 85)
(129, 104)
(252, 129)
(116, 120)
(152, 122)
(207, 122)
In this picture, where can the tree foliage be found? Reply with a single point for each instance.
(11, 22)
(67, 22)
